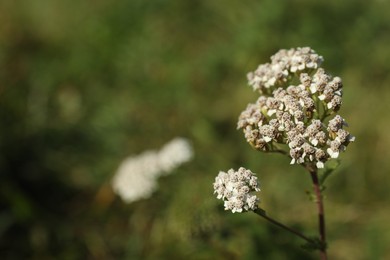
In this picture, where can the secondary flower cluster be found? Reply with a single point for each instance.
(295, 115)
(137, 176)
(235, 187)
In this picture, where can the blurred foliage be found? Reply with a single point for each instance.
(83, 84)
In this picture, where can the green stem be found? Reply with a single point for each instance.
(278, 151)
(274, 148)
(261, 213)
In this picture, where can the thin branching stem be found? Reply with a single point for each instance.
(261, 213)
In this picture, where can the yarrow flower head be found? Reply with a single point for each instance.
(296, 115)
(235, 188)
(136, 177)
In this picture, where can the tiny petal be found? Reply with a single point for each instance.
(332, 153)
(320, 165)
(314, 141)
(313, 88)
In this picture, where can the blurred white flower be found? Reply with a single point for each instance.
(136, 177)
(173, 154)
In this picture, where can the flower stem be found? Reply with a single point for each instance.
(320, 209)
(261, 213)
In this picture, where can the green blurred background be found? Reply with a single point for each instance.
(84, 84)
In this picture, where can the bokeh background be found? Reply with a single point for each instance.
(84, 84)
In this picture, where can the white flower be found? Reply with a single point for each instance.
(284, 111)
(136, 177)
(174, 153)
(235, 188)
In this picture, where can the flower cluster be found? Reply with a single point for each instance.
(295, 115)
(235, 187)
(283, 64)
(137, 176)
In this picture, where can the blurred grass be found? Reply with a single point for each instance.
(83, 85)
